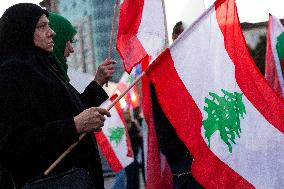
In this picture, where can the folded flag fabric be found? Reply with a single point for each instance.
(141, 31)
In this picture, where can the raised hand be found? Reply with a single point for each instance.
(105, 72)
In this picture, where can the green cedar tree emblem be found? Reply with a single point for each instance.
(224, 116)
(116, 134)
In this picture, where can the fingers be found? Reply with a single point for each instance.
(103, 111)
(90, 120)
(109, 62)
(105, 72)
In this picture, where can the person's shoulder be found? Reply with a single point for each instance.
(13, 61)
(14, 66)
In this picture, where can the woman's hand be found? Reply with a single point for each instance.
(90, 120)
(105, 72)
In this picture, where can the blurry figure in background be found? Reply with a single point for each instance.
(120, 180)
(132, 170)
(176, 153)
(131, 173)
(177, 30)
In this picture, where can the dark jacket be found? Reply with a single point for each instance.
(37, 126)
(168, 141)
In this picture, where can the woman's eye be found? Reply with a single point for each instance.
(41, 26)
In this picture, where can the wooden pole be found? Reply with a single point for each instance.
(112, 31)
(166, 25)
(84, 134)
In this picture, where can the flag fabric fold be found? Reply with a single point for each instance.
(141, 31)
(114, 140)
(141, 37)
(222, 108)
(158, 174)
(273, 70)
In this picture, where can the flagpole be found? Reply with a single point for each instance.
(166, 25)
(112, 31)
(56, 162)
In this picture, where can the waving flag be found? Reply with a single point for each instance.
(131, 99)
(114, 140)
(141, 37)
(141, 30)
(273, 70)
(222, 107)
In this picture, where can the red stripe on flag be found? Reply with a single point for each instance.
(108, 152)
(127, 44)
(153, 168)
(128, 142)
(106, 147)
(186, 118)
(248, 77)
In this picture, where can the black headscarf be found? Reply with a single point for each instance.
(17, 27)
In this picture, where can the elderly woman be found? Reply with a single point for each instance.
(41, 113)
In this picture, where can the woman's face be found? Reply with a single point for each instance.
(68, 48)
(43, 35)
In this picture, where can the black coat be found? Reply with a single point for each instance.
(36, 120)
(169, 143)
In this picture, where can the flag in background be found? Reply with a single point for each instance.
(114, 140)
(131, 99)
(142, 36)
(223, 109)
(273, 70)
(141, 31)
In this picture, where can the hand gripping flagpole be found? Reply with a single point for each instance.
(84, 134)
(112, 31)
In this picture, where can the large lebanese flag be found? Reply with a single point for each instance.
(273, 70)
(114, 140)
(141, 31)
(222, 107)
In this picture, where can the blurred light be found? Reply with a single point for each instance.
(134, 100)
(122, 103)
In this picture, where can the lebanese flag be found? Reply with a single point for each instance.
(131, 99)
(114, 140)
(273, 70)
(141, 31)
(222, 107)
(142, 36)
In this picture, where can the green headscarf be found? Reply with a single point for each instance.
(64, 32)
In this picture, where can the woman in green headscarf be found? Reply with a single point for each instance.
(92, 96)
(63, 42)
(65, 33)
